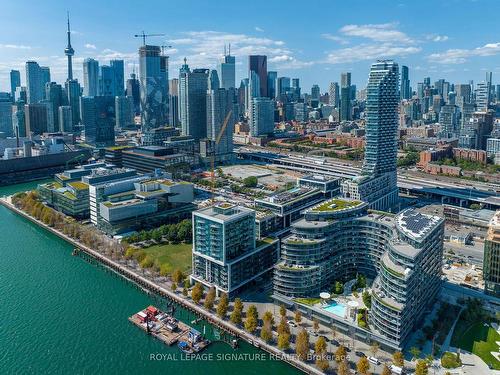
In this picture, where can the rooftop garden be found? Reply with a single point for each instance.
(335, 205)
(308, 301)
(79, 185)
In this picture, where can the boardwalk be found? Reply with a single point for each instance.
(187, 304)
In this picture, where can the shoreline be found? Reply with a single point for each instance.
(150, 286)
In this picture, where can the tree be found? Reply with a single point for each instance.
(222, 306)
(298, 317)
(421, 367)
(315, 325)
(283, 327)
(343, 368)
(251, 320)
(302, 344)
(415, 352)
(268, 317)
(197, 292)
(386, 370)
(374, 347)
(266, 333)
(185, 292)
(320, 353)
(367, 299)
(209, 299)
(340, 354)
(283, 341)
(174, 287)
(250, 181)
(363, 366)
(178, 276)
(283, 310)
(398, 359)
(237, 310)
(338, 288)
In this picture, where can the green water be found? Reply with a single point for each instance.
(60, 314)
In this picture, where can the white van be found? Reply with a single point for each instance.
(374, 360)
(396, 370)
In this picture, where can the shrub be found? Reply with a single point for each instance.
(450, 360)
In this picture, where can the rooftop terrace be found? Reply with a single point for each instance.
(336, 204)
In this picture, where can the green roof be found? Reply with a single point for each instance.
(79, 185)
(336, 205)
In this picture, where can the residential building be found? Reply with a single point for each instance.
(377, 183)
(65, 119)
(34, 86)
(36, 119)
(334, 94)
(226, 254)
(98, 119)
(6, 115)
(220, 104)
(261, 117)
(90, 77)
(15, 82)
(73, 93)
(258, 64)
(124, 112)
(339, 239)
(405, 83)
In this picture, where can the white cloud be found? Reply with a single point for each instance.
(369, 52)
(259, 29)
(385, 32)
(459, 55)
(437, 38)
(205, 48)
(90, 46)
(335, 38)
(14, 46)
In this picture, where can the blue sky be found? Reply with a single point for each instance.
(314, 40)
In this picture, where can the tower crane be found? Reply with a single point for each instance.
(144, 36)
(216, 143)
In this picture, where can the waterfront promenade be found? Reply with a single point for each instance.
(155, 288)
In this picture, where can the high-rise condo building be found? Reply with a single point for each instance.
(90, 77)
(193, 87)
(56, 96)
(271, 83)
(225, 252)
(334, 94)
(261, 117)
(345, 97)
(119, 74)
(6, 114)
(405, 83)
(377, 183)
(65, 119)
(73, 93)
(34, 87)
(98, 119)
(133, 90)
(219, 103)
(15, 82)
(124, 112)
(36, 119)
(173, 114)
(153, 88)
(258, 64)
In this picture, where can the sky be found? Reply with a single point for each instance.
(314, 40)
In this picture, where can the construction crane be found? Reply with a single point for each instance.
(144, 36)
(217, 141)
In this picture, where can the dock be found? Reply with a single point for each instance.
(169, 330)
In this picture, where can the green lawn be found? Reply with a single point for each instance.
(308, 301)
(173, 257)
(478, 339)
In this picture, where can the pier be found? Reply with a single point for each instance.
(187, 304)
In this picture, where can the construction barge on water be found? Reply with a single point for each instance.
(169, 330)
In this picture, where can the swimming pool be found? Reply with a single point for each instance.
(335, 308)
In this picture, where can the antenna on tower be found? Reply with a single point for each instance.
(229, 54)
(224, 49)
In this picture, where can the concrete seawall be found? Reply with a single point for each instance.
(184, 302)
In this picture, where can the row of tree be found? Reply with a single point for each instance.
(175, 233)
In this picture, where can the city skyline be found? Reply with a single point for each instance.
(347, 41)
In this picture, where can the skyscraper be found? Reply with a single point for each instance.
(282, 86)
(133, 90)
(65, 119)
(227, 72)
(36, 118)
(193, 87)
(69, 52)
(334, 94)
(296, 88)
(405, 83)
(345, 96)
(18, 119)
(107, 85)
(213, 80)
(152, 88)
(44, 77)
(90, 77)
(271, 83)
(377, 184)
(258, 64)
(15, 81)
(482, 96)
(34, 85)
(124, 112)
(98, 119)
(261, 117)
(6, 114)
(57, 97)
(219, 103)
(173, 114)
(73, 93)
(119, 73)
